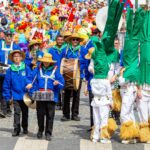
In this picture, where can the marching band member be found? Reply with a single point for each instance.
(14, 88)
(49, 80)
(73, 51)
(144, 91)
(6, 46)
(55, 51)
(129, 79)
(33, 54)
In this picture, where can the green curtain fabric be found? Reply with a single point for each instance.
(145, 51)
(130, 52)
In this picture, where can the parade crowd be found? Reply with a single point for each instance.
(49, 48)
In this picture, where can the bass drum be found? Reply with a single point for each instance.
(70, 69)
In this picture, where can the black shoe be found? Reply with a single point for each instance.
(48, 137)
(75, 118)
(39, 135)
(2, 115)
(15, 133)
(9, 113)
(65, 118)
(25, 131)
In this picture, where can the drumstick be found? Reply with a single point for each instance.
(55, 80)
(34, 79)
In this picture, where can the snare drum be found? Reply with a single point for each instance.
(43, 96)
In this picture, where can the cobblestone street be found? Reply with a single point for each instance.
(69, 135)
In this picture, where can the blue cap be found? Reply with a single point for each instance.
(1, 30)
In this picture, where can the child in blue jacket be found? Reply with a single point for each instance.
(48, 80)
(14, 88)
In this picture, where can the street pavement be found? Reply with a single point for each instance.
(71, 135)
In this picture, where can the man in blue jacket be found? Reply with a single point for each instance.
(6, 46)
(73, 51)
(14, 88)
(55, 51)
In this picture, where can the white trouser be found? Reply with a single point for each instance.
(127, 109)
(144, 107)
(100, 115)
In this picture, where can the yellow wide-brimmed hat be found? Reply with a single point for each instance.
(74, 35)
(66, 33)
(33, 42)
(47, 58)
(90, 52)
(16, 51)
(29, 103)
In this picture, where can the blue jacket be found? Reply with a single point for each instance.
(15, 83)
(79, 53)
(56, 54)
(29, 58)
(40, 81)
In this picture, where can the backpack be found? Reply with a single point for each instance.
(4, 21)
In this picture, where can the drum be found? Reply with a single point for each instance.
(43, 96)
(70, 69)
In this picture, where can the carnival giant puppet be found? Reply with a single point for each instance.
(129, 78)
(101, 88)
(144, 92)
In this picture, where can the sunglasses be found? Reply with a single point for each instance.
(8, 35)
(75, 40)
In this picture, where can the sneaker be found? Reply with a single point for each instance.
(75, 118)
(148, 142)
(48, 137)
(65, 118)
(105, 141)
(133, 141)
(94, 140)
(125, 141)
(39, 135)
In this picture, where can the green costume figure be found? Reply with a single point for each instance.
(101, 88)
(129, 130)
(144, 92)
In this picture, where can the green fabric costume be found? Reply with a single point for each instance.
(145, 51)
(130, 52)
(105, 47)
(114, 56)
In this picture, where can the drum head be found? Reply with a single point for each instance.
(76, 75)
